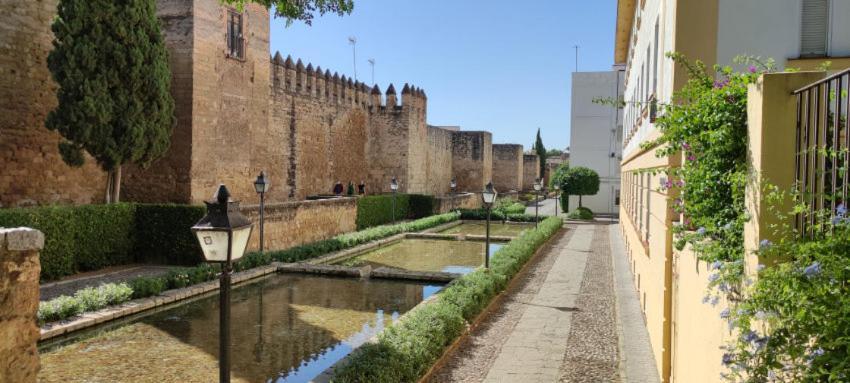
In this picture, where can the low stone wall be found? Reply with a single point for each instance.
(19, 272)
(444, 204)
(289, 224)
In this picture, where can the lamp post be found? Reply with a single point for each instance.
(557, 197)
(453, 186)
(488, 196)
(261, 185)
(538, 185)
(223, 234)
(394, 188)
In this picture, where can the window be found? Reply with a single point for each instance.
(646, 88)
(655, 62)
(235, 42)
(814, 27)
(617, 197)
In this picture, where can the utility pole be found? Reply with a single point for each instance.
(372, 63)
(576, 47)
(353, 41)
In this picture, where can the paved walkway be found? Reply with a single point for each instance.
(563, 321)
(545, 207)
(117, 274)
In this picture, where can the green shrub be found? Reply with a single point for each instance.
(407, 349)
(377, 210)
(163, 234)
(421, 205)
(87, 299)
(78, 238)
(481, 214)
(514, 208)
(580, 213)
(147, 286)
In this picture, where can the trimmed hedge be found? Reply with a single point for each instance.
(78, 238)
(164, 235)
(406, 350)
(142, 287)
(88, 299)
(481, 214)
(581, 213)
(377, 210)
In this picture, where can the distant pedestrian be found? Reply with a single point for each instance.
(361, 188)
(338, 188)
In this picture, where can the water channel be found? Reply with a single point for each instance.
(496, 229)
(285, 328)
(426, 255)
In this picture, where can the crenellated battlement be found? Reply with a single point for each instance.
(294, 78)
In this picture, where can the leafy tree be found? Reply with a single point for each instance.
(540, 150)
(301, 10)
(111, 66)
(554, 152)
(579, 181)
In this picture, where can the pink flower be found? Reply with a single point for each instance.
(691, 157)
(753, 69)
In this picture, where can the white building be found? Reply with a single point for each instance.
(595, 136)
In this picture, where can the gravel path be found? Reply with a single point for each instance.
(476, 353)
(592, 347)
(118, 274)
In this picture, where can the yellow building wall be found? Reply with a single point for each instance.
(650, 258)
(698, 331)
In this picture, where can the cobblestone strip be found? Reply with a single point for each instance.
(473, 357)
(533, 353)
(592, 345)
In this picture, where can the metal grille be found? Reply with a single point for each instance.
(822, 155)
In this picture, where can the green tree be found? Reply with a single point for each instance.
(111, 66)
(554, 152)
(579, 181)
(301, 10)
(540, 150)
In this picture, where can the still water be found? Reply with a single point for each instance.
(284, 328)
(496, 228)
(426, 255)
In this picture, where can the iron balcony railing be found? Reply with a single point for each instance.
(822, 155)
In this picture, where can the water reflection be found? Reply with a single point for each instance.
(426, 255)
(285, 328)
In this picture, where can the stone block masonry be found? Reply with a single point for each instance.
(305, 126)
(19, 273)
(291, 224)
(530, 170)
(507, 167)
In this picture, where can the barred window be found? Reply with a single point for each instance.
(235, 42)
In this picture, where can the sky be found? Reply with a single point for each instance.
(502, 66)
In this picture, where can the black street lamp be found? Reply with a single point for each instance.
(261, 185)
(394, 188)
(223, 234)
(453, 186)
(538, 186)
(557, 197)
(488, 196)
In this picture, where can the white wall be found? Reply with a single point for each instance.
(595, 135)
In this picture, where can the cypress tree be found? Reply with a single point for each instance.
(540, 150)
(111, 65)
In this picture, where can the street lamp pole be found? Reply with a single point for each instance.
(394, 188)
(453, 185)
(538, 185)
(557, 197)
(488, 196)
(261, 186)
(223, 234)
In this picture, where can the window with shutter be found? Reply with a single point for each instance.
(815, 26)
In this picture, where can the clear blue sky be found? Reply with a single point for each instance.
(502, 66)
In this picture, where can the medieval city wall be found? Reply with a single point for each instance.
(530, 170)
(507, 167)
(439, 163)
(33, 172)
(472, 160)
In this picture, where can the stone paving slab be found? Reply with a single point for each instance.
(532, 352)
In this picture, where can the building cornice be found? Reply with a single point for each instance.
(623, 35)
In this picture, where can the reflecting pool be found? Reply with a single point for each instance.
(426, 255)
(285, 328)
(496, 228)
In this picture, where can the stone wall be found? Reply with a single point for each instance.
(289, 224)
(439, 163)
(446, 203)
(19, 294)
(507, 167)
(472, 160)
(33, 172)
(530, 170)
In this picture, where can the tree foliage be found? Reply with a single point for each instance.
(579, 181)
(300, 10)
(111, 65)
(540, 150)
